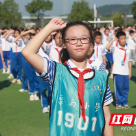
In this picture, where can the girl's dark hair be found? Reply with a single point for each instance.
(64, 55)
(97, 34)
(16, 29)
(59, 31)
(107, 29)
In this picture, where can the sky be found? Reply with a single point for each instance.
(59, 9)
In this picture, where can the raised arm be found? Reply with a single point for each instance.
(8, 33)
(110, 43)
(30, 51)
(1, 31)
(109, 36)
(4, 35)
(133, 37)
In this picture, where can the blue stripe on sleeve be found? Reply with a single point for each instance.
(108, 96)
(48, 77)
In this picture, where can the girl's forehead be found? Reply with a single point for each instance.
(77, 30)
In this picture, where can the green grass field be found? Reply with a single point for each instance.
(20, 117)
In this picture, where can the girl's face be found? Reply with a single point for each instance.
(16, 34)
(27, 36)
(107, 32)
(79, 50)
(58, 39)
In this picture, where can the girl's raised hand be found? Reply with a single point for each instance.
(57, 24)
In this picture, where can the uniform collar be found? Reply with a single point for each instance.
(70, 65)
(121, 47)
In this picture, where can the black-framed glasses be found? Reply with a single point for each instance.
(74, 40)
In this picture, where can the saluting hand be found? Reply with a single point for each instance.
(57, 24)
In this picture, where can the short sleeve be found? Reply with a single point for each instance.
(103, 51)
(10, 39)
(49, 69)
(47, 49)
(130, 56)
(26, 41)
(112, 48)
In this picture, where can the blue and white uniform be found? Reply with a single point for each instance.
(5, 48)
(99, 51)
(121, 73)
(30, 74)
(64, 119)
(24, 81)
(16, 62)
(45, 100)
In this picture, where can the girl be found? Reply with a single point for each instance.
(54, 52)
(16, 61)
(6, 53)
(72, 114)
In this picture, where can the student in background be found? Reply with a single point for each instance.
(122, 68)
(99, 49)
(16, 63)
(132, 45)
(6, 53)
(25, 35)
(54, 51)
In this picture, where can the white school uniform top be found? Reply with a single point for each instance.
(118, 56)
(5, 44)
(131, 44)
(17, 47)
(101, 52)
(104, 40)
(11, 39)
(52, 52)
(42, 53)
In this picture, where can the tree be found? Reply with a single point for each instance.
(0, 10)
(80, 12)
(38, 7)
(133, 10)
(10, 14)
(118, 19)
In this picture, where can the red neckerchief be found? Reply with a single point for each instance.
(80, 88)
(90, 61)
(97, 49)
(123, 50)
(58, 52)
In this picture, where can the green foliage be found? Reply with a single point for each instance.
(133, 10)
(118, 19)
(0, 10)
(80, 12)
(112, 9)
(38, 7)
(9, 13)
